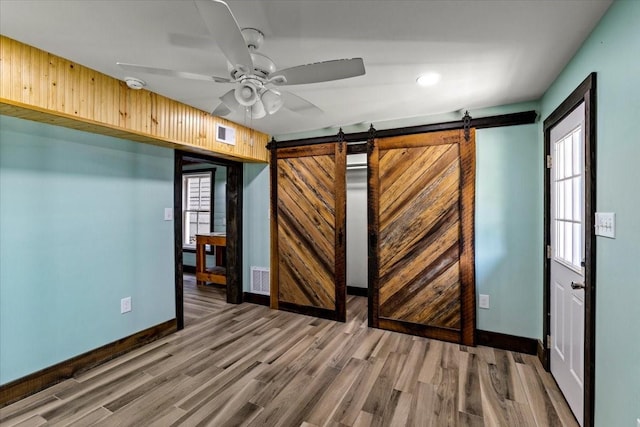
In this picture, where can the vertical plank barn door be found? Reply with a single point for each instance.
(309, 230)
(421, 226)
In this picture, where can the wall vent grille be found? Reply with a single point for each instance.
(260, 280)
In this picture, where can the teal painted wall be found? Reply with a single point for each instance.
(220, 200)
(613, 51)
(81, 226)
(509, 222)
(255, 218)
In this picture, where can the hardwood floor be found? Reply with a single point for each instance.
(201, 301)
(249, 365)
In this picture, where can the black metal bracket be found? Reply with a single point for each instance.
(340, 140)
(371, 137)
(466, 125)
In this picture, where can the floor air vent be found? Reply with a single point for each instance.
(260, 280)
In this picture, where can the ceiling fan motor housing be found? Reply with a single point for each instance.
(263, 66)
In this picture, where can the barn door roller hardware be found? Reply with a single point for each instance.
(466, 124)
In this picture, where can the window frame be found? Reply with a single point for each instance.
(185, 195)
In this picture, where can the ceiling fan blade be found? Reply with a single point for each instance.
(221, 110)
(321, 72)
(172, 73)
(299, 105)
(224, 28)
(190, 41)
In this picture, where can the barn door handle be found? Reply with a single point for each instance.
(340, 237)
(575, 285)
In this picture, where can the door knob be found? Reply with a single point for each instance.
(575, 285)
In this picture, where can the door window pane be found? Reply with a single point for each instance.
(568, 186)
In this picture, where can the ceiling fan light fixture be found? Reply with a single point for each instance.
(246, 94)
(272, 100)
(428, 79)
(257, 110)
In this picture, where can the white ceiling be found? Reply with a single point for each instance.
(488, 52)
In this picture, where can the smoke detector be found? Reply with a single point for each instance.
(134, 83)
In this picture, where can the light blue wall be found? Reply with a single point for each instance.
(81, 226)
(613, 51)
(255, 219)
(220, 200)
(509, 222)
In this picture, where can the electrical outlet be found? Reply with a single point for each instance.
(168, 214)
(125, 305)
(483, 301)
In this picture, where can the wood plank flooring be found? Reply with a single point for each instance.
(248, 365)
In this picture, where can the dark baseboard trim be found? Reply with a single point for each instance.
(427, 331)
(308, 311)
(37, 381)
(189, 269)
(542, 355)
(354, 290)
(507, 342)
(256, 298)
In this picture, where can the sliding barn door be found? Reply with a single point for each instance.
(309, 230)
(421, 207)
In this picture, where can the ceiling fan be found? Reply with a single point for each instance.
(255, 75)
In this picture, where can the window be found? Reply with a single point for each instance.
(196, 205)
(568, 181)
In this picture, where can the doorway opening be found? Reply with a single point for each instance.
(207, 202)
(357, 264)
(569, 267)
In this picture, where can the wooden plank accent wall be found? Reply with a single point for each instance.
(36, 85)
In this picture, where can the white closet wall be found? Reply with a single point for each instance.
(357, 220)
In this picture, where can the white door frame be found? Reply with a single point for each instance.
(585, 92)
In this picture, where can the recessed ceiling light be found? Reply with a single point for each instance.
(428, 79)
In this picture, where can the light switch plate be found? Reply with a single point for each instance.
(125, 305)
(606, 224)
(483, 301)
(168, 214)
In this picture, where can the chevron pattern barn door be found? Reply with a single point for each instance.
(421, 207)
(310, 230)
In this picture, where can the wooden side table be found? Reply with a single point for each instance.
(217, 274)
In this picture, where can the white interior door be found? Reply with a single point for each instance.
(567, 258)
